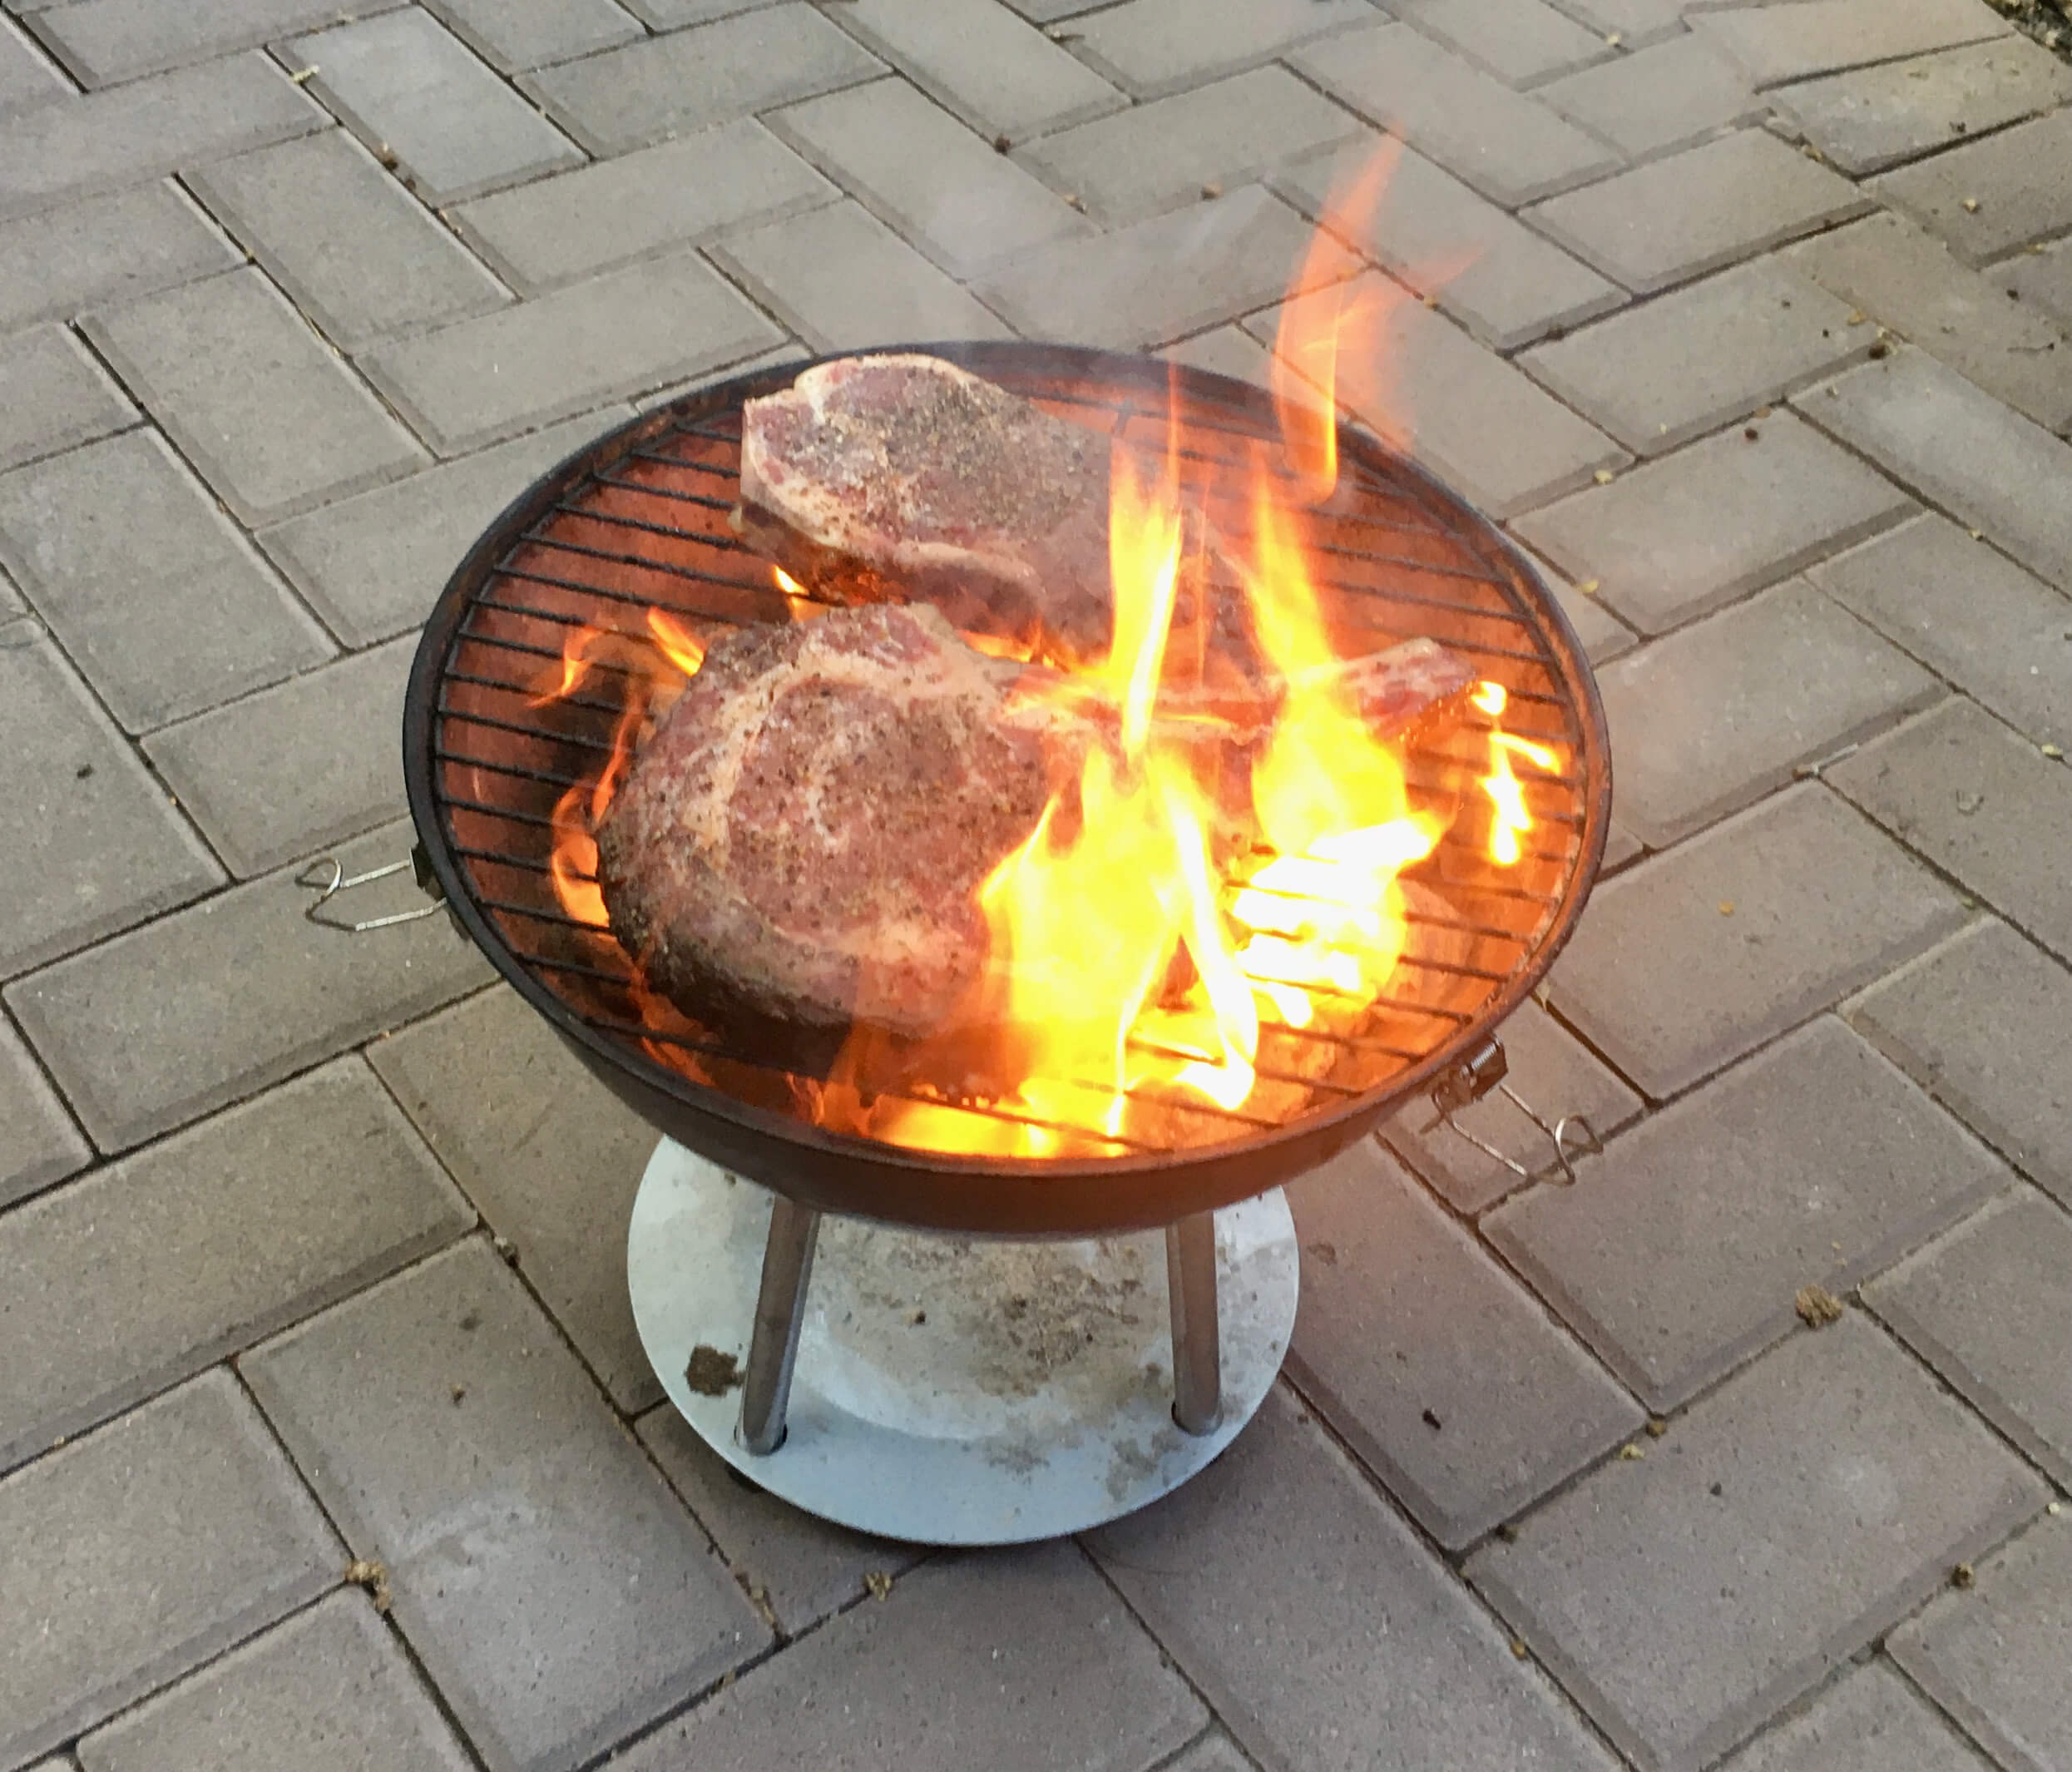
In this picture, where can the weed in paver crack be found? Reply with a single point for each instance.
(1816, 1306)
(365, 1571)
(2049, 22)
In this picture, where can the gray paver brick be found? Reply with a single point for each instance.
(977, 58)
(941, 186)
(274, 422)
(326, 1692)
(87, 532)
(1666, 97)
(805, 1567)
(40, 1143)
(403, 81)
(1680, 1251)
(1407, 1321)
(1228, 350)
(164, 1024)
(1162, 278)
(1891, 270)
(841, 279)
(1870, 1720)
(1161, 155)
(1783, 1523)
(54, 265)
(480, 380)
(1981, 803)
(2042, 276)
(1637, 23)
(1995, 1657)
(1874, 118)
(1671, 988)
(1766, 331)
(1156, 45)
(144, 1550)
(103, 42)
(670, 86)
(655, 199)
(1509, 146)
(354, 252)
(1323, 1632)
(1970, 614)
(1720, 713)
(1037, 12)
(202, 1244)
(670, 15)
(1603, 635)
(1551, 1070)
(1928, 427)
(308, 762)
(26, 78)
(92, 846)
(514, 1115)
(1418, 381)
(966, 1663)
(1790, 43)
(1521, 42)
(54, 396)
(1990, 196)
(375, 564)
(133, 132)
(1494, 275)
(1987, 1307)
(1681, 536)
(1695, 212)
(1215, 1752)
(1978, 1023)
(513, 35)
(642, 1614)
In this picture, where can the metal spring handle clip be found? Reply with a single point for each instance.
(327, 877)
(1474, 1077)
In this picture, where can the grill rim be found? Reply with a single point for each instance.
(844, 1172)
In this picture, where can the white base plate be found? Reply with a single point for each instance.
(952, 1390)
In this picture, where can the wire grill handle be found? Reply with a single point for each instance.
(327, 877)
(1485, 1069)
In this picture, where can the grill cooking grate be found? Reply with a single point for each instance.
(639, 524)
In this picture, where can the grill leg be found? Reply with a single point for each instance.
(780, 1309)
(1190, 1274)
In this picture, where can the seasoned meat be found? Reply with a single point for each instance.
(905, 478)
(801, 841)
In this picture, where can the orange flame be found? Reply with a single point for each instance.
(1511, 817)
(572, 856)
(802, 603)
(1165, 938)
(1305, 362)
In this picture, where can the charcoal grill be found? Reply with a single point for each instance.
(637, 522)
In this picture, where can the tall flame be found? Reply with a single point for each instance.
(1303, 375)
(1167, 940)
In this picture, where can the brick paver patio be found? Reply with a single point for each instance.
(1750, 321)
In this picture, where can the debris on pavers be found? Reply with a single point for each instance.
(1816, 1306)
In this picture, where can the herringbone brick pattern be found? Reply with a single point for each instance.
(1749, 318)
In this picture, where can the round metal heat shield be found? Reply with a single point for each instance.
(631, 537)
(955, 1390)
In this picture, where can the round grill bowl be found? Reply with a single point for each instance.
(638, 521)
